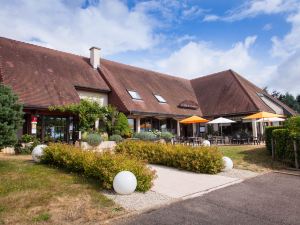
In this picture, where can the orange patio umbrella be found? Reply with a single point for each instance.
(262, 115)
(193, 119)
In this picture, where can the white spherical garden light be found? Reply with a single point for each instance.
(206, 143)
(37, 152)
(228, 164)
(125, 183)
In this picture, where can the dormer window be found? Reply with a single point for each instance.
(160, 99)
(134, 95)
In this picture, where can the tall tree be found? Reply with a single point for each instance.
(11, 116)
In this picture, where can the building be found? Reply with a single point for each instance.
(43, 77)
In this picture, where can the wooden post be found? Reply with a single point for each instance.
(296, 155)
(273, 150)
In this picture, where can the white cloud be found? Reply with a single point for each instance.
(252, 8)
(290, 43)
(201, 58)
(109, 25)
(286, 77)
(210, 17)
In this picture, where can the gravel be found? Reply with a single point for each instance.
(139, 201)
(237, 173)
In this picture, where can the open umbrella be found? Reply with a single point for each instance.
(221, 120)
(274, 119)
(263, 116)
(193, 120)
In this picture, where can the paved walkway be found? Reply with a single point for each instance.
(173, 185)
(270, 199)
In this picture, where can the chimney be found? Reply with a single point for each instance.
(95, 57)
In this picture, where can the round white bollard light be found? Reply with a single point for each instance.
(206, 143)
(125, 183)
(37, 152)
(228, 164)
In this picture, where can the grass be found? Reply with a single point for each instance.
(250, 157)
(33, 193)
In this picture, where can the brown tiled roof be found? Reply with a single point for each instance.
(173, 89)
(227, 93)
(42, 76)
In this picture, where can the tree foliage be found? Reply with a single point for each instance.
(87, 111)
(110, 119)
(288, 99)
(11, 116)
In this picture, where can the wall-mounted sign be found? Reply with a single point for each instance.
(34, 120)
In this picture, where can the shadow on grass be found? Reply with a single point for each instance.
(261, 158)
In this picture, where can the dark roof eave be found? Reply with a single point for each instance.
(159, 114)
(82, 88)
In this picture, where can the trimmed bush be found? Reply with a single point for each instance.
(199, 159)
(94, 139)
(167, 136)
(268, 135)
(117, 138)
(145, 136)
(101, 166)
(281, 139)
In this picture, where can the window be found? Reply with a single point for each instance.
(160, 98)
(134, 95)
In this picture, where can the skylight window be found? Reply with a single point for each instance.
(134, 95)
(160, 99)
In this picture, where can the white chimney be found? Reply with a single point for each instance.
(95, 57)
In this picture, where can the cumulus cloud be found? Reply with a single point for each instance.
(287, 50)
(201, 58)
(110, 24)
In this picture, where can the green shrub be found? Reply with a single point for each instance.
(26, 138)
(117, 138)
(94, 139)
(101, 166)
(167, 136)
(268, 137)
(293, 125)
(26, 144)
(145, 136)
(281, 139)
(199, 159)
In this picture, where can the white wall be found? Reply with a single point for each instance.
(101, 98)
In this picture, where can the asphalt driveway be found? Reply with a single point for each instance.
(268, 199)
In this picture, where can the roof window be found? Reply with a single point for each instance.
(134, 95)
(160, 99)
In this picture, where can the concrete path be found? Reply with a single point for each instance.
(181, 184)
(270, 199)
(173, 185)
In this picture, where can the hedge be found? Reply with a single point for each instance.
(196, 159)
(281, 141)
(268, 135)
(102, 166)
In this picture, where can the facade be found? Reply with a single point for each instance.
(43, 77)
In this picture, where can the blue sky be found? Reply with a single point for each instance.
(260, 39)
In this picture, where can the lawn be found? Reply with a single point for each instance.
(250, 157)
(37, 194)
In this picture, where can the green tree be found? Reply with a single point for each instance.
(11, 116)
(88, 112)
(122, 127)
(288, 99)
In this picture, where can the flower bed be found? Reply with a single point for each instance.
(196, 159)
(102, 166)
